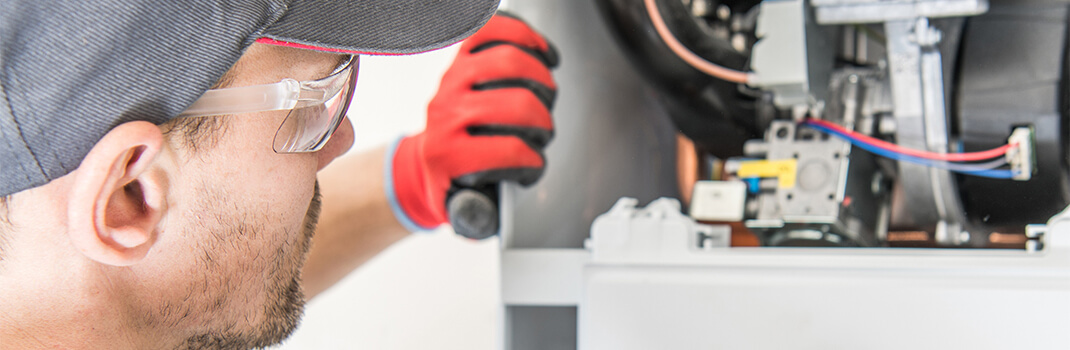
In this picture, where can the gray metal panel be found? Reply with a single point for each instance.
(541, 327)
(612, 140)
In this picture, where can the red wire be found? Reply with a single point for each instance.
(685, 54)
(950, 157)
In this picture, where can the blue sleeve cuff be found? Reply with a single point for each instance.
(391, 197)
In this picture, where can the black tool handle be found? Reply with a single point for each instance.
(473, 212)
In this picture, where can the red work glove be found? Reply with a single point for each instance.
(489, 122)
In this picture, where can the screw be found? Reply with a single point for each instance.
(925, 35)
(877, 184)
(723, 12)
(739, 42)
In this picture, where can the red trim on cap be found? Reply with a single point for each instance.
(271, 41)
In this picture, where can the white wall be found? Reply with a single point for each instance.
(430, 291)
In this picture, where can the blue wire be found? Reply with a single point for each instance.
(959, 168)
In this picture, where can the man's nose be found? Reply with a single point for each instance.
(340, 142)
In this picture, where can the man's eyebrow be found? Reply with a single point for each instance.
(228, 78)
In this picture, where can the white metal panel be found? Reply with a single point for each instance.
(788, 308)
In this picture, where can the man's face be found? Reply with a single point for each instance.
(239, 223)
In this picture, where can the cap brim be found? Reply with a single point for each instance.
(378, 26)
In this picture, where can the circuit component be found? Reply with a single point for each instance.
(719, 200)
(1022, 155)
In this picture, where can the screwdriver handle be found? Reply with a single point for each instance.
(473, 212)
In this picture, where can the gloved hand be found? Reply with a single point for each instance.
(489, 122)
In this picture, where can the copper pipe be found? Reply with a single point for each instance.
(686, 167)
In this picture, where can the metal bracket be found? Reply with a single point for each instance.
(916, 74)
(875, 11)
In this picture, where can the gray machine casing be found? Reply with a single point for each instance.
(640, 280)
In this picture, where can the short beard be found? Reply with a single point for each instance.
(286, 301)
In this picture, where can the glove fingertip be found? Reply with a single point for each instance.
(545, 94)
(533, 176)
(551, 57)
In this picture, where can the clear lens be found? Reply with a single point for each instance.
(308, 128)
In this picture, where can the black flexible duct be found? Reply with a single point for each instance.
(1014, 70)
(713, 113)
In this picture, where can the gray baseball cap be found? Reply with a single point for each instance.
(71, 70)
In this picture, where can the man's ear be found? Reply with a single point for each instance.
(117, 198)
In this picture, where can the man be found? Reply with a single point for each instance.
(159, 160)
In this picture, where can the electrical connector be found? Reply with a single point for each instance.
(1022, 155)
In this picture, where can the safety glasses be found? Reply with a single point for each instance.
(316, 107)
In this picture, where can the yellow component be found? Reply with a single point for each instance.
(784, 170)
